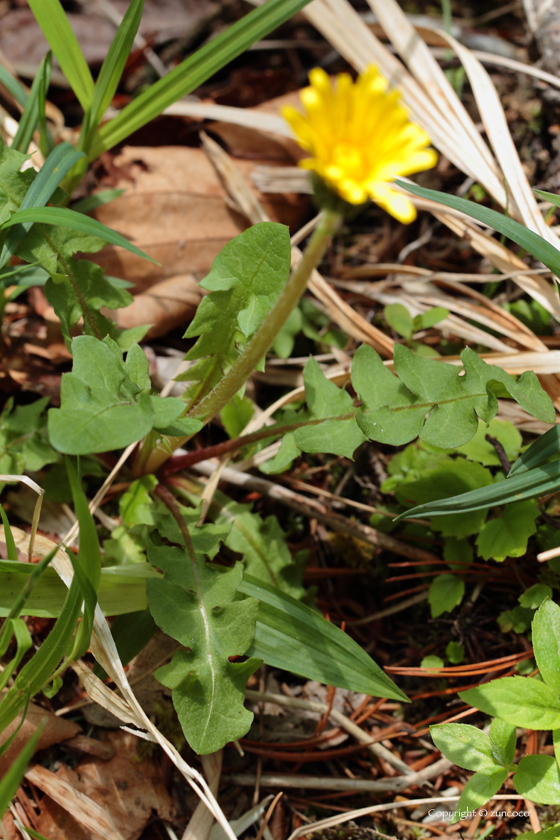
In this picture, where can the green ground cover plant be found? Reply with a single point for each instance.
(160, 567)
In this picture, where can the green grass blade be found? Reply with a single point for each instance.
(37, 672)
(11, 549)
(75, 221)
(23, 643)
(113, 66)
(293, 637)
(52, 19)
(529, 485)
(531, 242)
(87, 565)
(11, 780)
(14, 86)
(30, 117)
(91, 202)
(551, 197)
(46, 142)
(58, 163)
(192, 72)
(544, 447)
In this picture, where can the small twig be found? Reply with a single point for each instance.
(172, 506)
(317, 510)
(268, 815)
(500, 452)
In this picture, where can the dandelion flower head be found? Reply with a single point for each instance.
(360, 138)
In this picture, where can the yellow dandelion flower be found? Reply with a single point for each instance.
(360, 138)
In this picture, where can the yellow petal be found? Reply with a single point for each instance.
(360, 138)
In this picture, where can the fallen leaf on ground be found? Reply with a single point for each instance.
(56, 729)
(128, 789)
(175, 210)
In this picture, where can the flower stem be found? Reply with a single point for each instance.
(245, 364)
(243, 367)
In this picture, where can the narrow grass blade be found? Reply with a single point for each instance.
(87, 565)
(122, 589)
(17, 629)
(52, 19)
(13, 86)
(75, 221)
(91, 202)
(38, 670)
(532, 242)
(58, 163)
(544, 447)
(192, 72)
(113, 66)
(528, 485)
(11, 549)
(30, 117)
(551, 197)
(293, 637)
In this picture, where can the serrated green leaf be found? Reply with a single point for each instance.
(195, 604)
(530, 241)
(101, 407)
(283, 459)
(262, 543)
(293, 637)
(245, 281)
(479, 789)
(14, 184)
(503, 738)
(395, 411)
(538, 779)
(446, 592)
(521, 701)
(23, 442)
(507, 535)
(389, 414)
(325, 400)
(86, 283)
(546, 643)
(466, 746)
